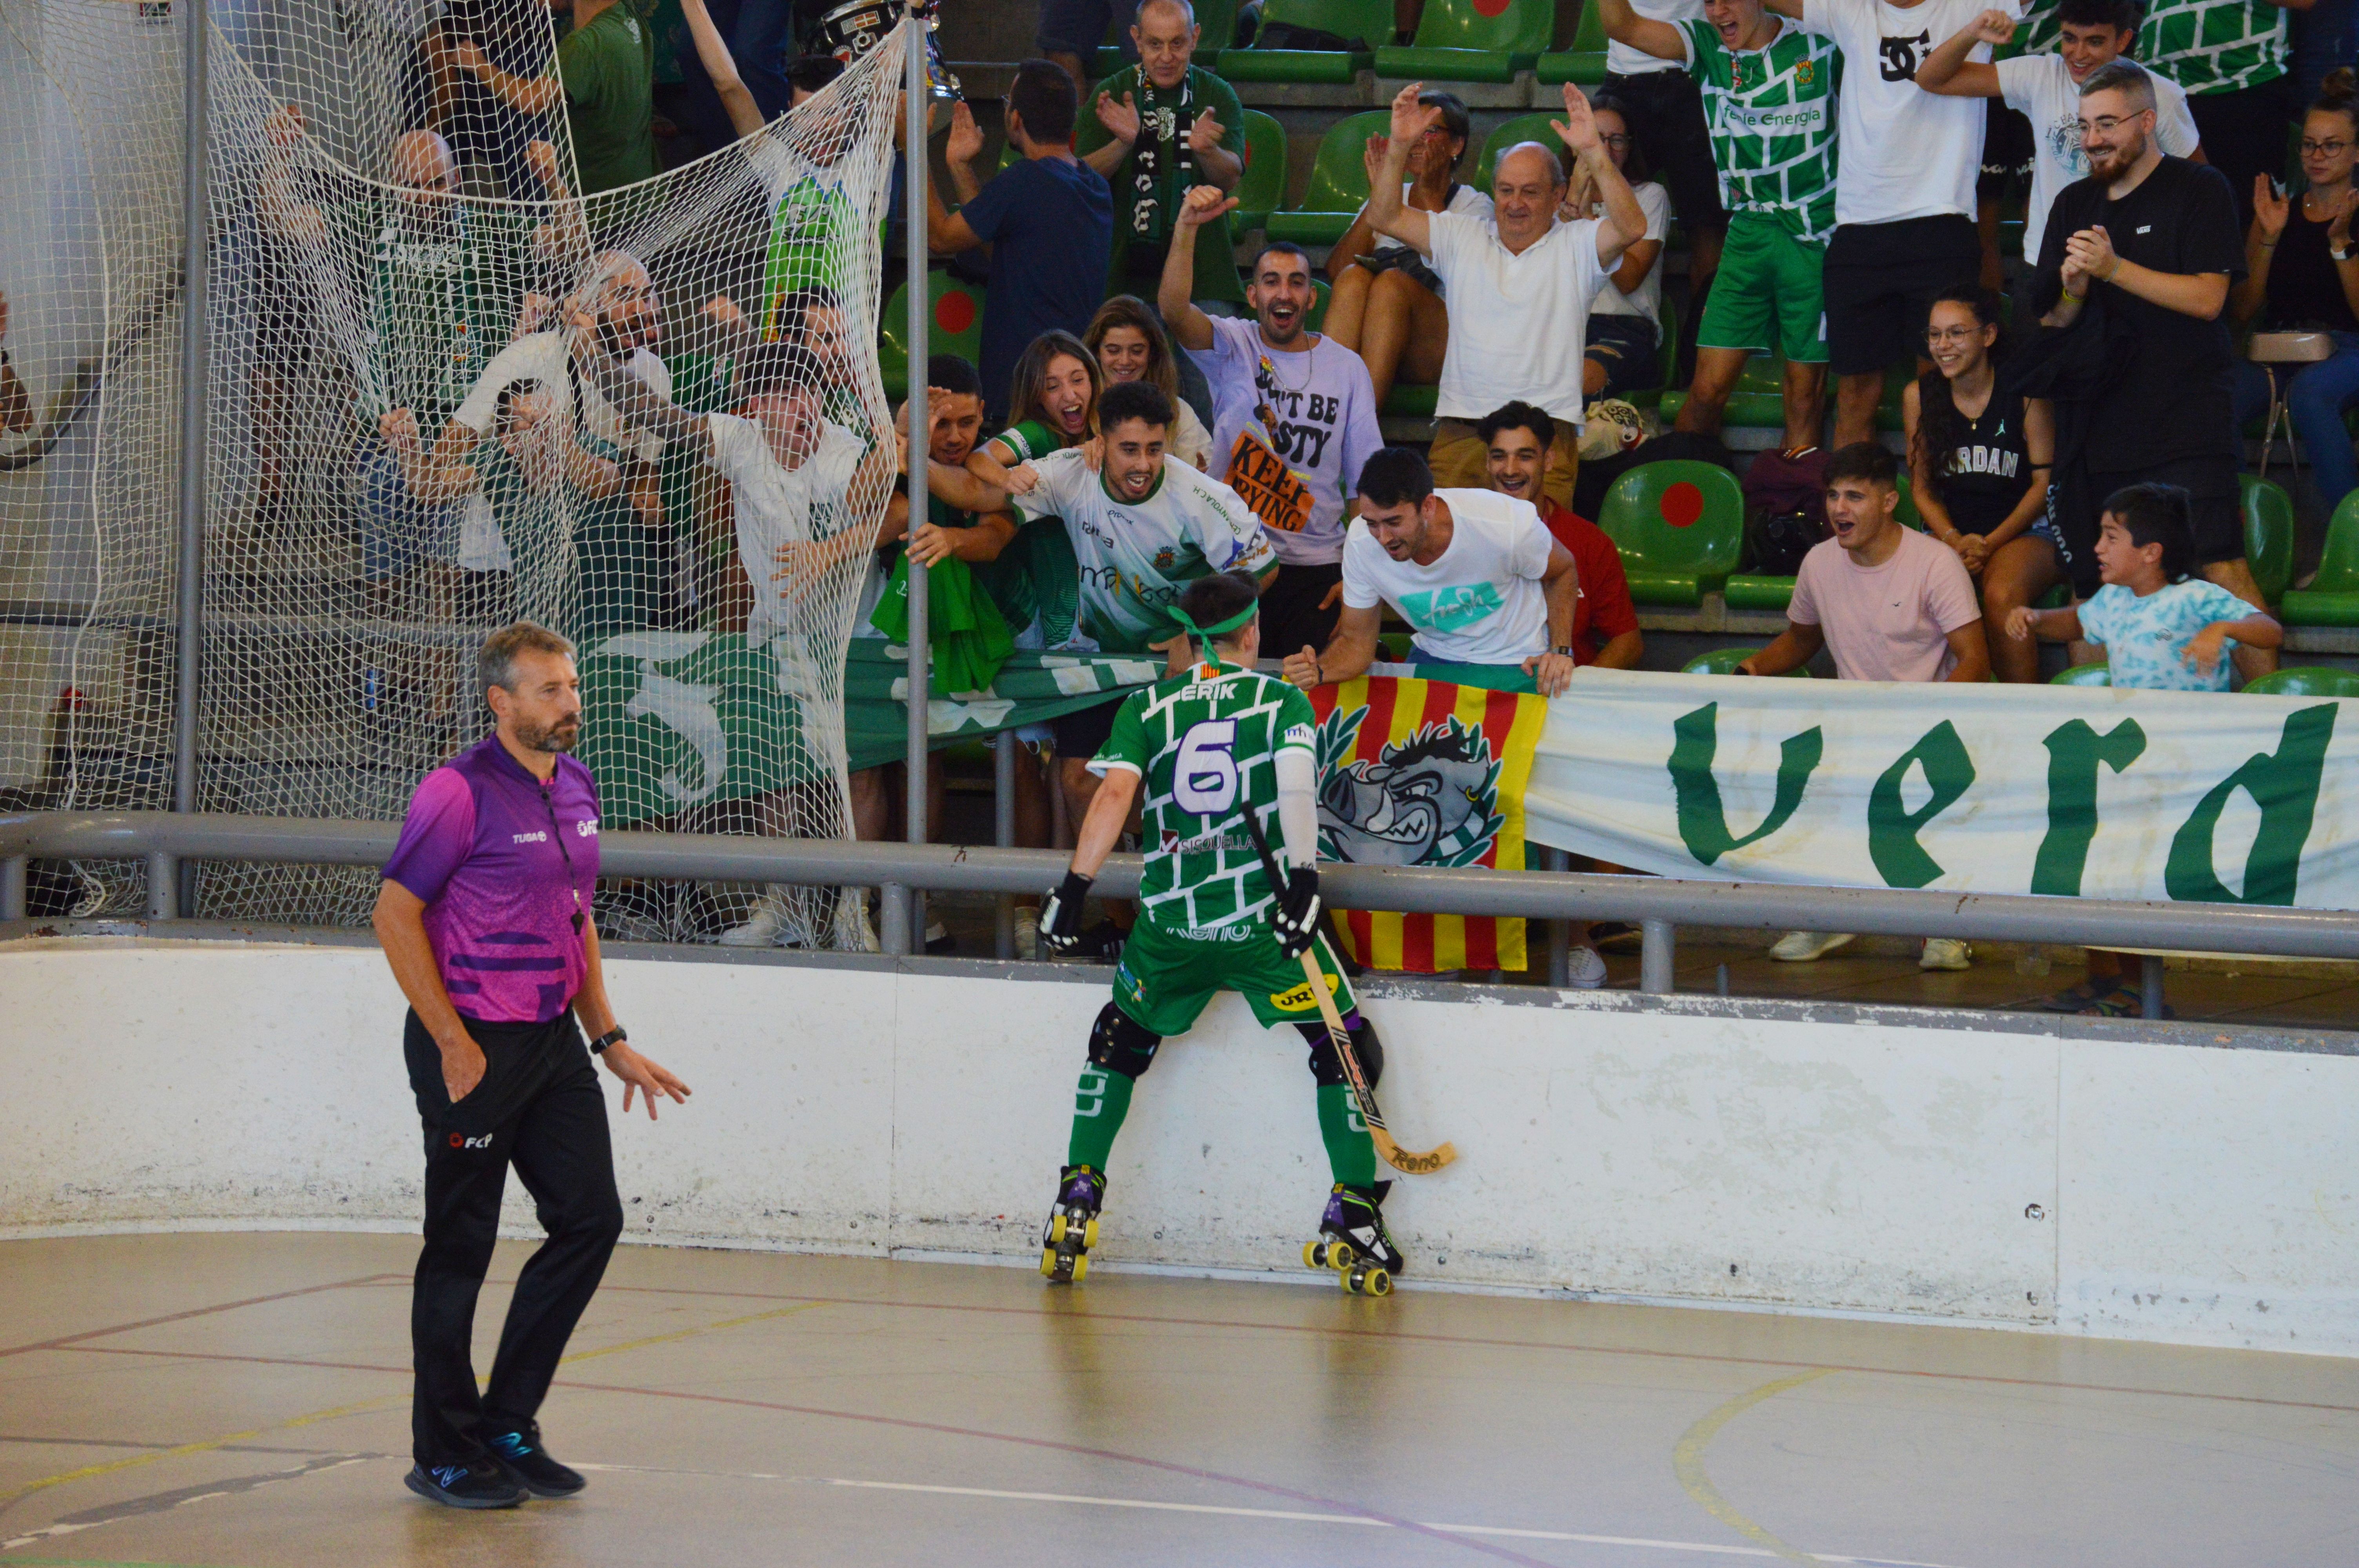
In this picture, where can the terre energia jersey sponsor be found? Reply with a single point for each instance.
(1772, 116)
(1205, 745)
(1134, 556)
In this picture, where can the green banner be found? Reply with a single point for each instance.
(675, 719)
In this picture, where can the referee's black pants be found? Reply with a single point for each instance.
(540, 1109)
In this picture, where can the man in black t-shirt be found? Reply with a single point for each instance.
(2153, 241)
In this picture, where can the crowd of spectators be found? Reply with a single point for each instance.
(1150, 401)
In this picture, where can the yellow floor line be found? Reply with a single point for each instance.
(1687, 1463)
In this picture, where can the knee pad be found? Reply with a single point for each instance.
(1121, 1043)
(1327, 1069)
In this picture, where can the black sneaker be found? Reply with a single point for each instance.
(478, 1485)
(529, 1465)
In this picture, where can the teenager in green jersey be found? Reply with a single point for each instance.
(1204, 747)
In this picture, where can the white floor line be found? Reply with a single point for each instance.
(1282, 1515)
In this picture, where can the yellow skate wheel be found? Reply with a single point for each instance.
(1049, 1261)
(1082, 1267)
(1089, 1235)
(1378, 1283)
(1313, 1255)
(1340, 1256)
(1057, 1228)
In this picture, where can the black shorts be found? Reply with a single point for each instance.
(2214, 505)
(1082, 733)
(1627, 347)
(1079, 27)
(1665, 109)
(1880, 283)
(1291, 619)
(1401, 259)
(2008, 152)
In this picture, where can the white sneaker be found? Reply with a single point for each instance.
(1027, 933)
(1946, 953)
(1809, 947)
(760, 931)
(1587, 971)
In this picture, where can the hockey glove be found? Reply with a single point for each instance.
(1298, 911)
(1060, 917)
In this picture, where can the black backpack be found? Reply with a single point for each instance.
(1785, 510)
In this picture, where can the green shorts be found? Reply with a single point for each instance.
(1167, 976)
(1767, 297)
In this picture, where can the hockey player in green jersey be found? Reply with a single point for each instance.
(1208, 746)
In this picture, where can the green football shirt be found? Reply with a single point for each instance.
(1205, 745)
(443, 286)
(1772, 116)
(1216, 246)
(1041, 549)
(607, 68)
(2214, 45)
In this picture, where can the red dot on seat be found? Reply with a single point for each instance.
(1489, 7)
(954, 313)
(1682, 504)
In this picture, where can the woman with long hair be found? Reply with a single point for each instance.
(1625, 320)
(1130, 345)
(1387, 307)
(2302, 274)
(1979, 455)
(1053, 403)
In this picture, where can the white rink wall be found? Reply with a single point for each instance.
(2121, 1181)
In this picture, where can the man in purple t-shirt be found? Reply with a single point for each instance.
(484, 916)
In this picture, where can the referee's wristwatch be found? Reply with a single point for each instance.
(612, 1037)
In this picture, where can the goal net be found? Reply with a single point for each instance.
(445, 388)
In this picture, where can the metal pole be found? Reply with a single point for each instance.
(1002, 800)
(163, 884)
(194, 224)
(1560, 931)
(2150, 985)
(919, 172)
(1656, 953)
(12, 876)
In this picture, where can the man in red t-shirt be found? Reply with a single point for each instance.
(1605, 623)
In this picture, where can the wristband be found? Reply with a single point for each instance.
(2076, 298)
(613, 1036)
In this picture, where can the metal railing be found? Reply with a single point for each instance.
(165, 840)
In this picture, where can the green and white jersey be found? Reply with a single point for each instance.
(443, 288)
(815, 218)
(1772, 115)
(2036, 31)
(1205, 745)
(2214, 45)
(1134, 556)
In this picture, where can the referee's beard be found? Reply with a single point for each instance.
(561, 736)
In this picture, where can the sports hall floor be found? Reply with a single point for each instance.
(240, 1401)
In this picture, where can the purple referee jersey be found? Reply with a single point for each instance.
(503, 862)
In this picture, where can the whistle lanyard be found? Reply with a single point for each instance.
(572, 882)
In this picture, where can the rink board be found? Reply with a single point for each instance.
(2186, 1184)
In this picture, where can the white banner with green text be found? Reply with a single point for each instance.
(2046, 789)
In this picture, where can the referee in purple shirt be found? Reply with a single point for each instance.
(484, 915)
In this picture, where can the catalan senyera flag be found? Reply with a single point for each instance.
(1419, 773)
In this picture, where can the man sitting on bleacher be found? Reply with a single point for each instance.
(1488, 591)
(1520, 283)
(1516, 441)
(1889, 605)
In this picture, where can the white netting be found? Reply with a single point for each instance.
(445, 390)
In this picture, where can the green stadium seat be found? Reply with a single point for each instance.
(1263, 185)
(1394, 646)
(1218, 19)
(1585, 61)
(956, 328)
(2332, 597)
(1522, 128)
(1747, 592)
(1723, 661)
(1339, 183)
(1471, 41)
(1321, 294)
(2268, 536)
(1680, 527)
(1757, 404)
(1406, 402)
(2311, 680)
(2083, 675)
(1363, 20)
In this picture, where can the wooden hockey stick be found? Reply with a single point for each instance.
(1407, 1161)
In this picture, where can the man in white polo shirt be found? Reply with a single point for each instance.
(1488, 589)
(1519, 282)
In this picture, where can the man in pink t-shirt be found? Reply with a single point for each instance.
(1889, 605)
